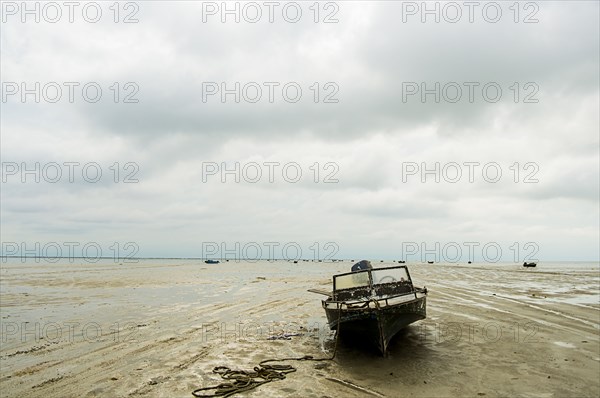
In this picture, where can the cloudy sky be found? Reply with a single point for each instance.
(311, 127)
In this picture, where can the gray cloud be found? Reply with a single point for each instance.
(368, 135)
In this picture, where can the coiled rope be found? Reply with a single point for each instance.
(245, 380)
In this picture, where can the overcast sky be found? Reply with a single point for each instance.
(517, 92)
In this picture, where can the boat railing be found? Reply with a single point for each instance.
(353, 293)
(376, 301)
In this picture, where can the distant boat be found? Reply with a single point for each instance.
(373, 304)
(211, 261)
(429, 262)
(526, 264)
(469, 262)
(401, 261)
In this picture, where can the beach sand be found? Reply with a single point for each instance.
(158, 327)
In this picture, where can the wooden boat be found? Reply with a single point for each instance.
(374, 304)
(212, 261)
(526, 264)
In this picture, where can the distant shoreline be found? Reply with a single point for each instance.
(282, 259)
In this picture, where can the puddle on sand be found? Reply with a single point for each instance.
(563, 344)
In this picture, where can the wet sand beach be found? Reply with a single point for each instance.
(158, 327)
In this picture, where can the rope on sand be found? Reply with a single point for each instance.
(245, 380)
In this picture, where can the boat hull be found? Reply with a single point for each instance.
(377, 324)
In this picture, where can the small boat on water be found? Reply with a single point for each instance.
(212, 261)
(373, 304)
(526, 264)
